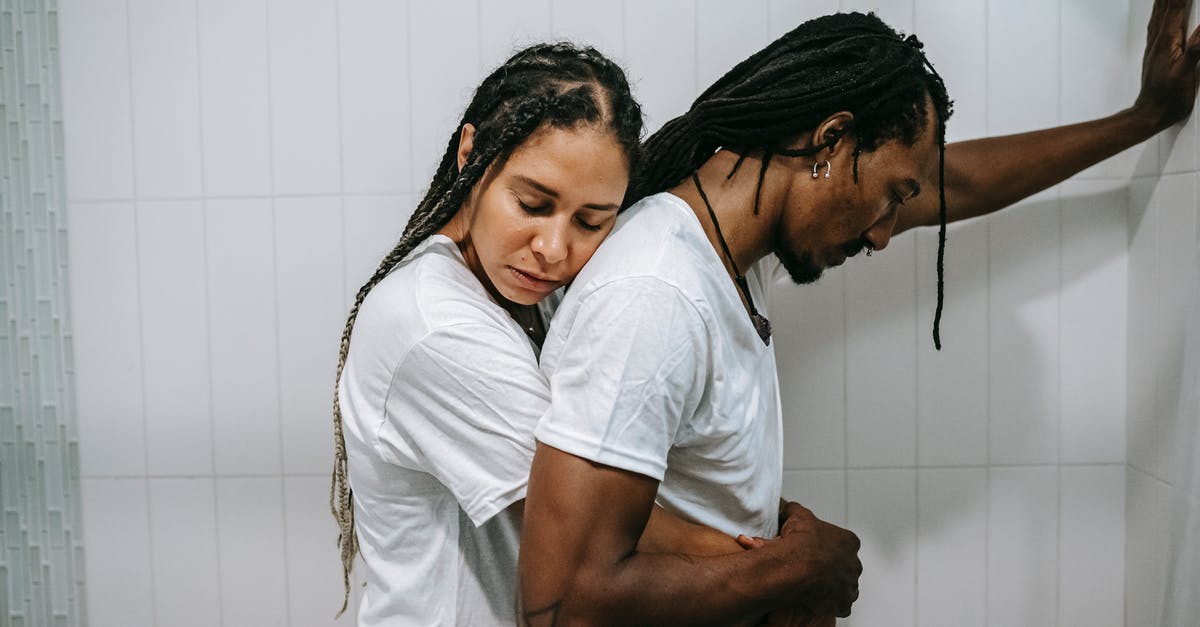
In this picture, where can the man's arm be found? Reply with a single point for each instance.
(579, 563)
(985, 175)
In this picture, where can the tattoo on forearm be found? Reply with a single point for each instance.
(545, 617)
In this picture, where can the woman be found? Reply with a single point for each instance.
(440, 390)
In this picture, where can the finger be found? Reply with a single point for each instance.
(1168, 22)
(746, 542)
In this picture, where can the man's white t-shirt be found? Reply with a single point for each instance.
(440, 395)
(656, 368)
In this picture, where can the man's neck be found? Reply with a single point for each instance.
(749, 236)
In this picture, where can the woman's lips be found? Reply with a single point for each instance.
(533, 281)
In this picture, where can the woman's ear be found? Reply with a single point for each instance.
(832, 129)
(466, 139)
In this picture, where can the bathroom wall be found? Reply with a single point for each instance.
(235, 170)
(1163, 488)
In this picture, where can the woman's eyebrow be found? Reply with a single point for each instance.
(525, 180)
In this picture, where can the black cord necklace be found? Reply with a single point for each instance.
(761, 324)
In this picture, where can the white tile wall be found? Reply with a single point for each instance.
(306, 139)
(882, 509)
(1022, 545)
(166, 104)
(951, 546)
(1092, 330)
(108, 343)
(244, 350)
(1024, 332)
(1024, 80)
(1091, 525)
(237, 169)
(952, 384)
(374, 96)
(97, 115)
(311, 313)
(251, 554)
(183, 532)
(174, 338)
(119, 575)
(441, 90)
(235, 102)
(812, 348)
(881, 419)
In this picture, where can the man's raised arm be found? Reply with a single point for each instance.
(984, 175)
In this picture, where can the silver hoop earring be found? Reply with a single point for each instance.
(828, 169)
(870, 249)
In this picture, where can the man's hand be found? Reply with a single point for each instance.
(832, 553)
(1169, 66)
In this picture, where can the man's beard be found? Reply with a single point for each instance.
(800, 265)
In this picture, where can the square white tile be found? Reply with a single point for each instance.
(106, 326)
(440, 91)
(1024, 252)
(882, 510)
(235, 98)
(305, 133)
(96, 101)
(881, 377)
(952, 383)
(1094, 322)
(252, 551)
(810, 352)
(507, 27)
(175, 339)
(245, 352)
(314, 576)
(951, 31)
(1022, 558)
(309, 274)
(166, 98)
(375, 98)
(183, 529)
(1091, 573)
(598, 25)
(118, 574)
(1024, 81)
(663, 77)
(952, 547)
(726, 34)
(822, 491)
(373, 228)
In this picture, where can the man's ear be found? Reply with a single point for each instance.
(832, 129)
(466, 139)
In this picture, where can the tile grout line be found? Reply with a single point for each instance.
(204, 255)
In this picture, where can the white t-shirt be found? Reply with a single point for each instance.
(655, 368)
(439, 396)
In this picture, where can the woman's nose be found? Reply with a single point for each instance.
(550, 243)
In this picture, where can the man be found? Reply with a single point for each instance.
(663, 383)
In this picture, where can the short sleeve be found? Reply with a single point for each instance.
(462, 406)
(625, 376)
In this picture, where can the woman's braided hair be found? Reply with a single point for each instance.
(843, 62)
(558, 85)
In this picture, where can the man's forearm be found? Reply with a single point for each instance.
(676, 589)
(985, 175)
(579, 561)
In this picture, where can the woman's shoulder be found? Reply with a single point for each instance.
(430, 290)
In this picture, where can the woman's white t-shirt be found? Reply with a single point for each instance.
(440, 395)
